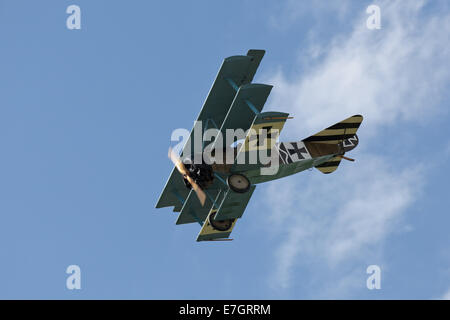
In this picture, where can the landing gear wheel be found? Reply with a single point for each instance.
(222, 225)
(238, 183)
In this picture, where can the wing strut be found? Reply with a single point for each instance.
(233, 84)
(220, 179)
(214, 200)
(252, 107)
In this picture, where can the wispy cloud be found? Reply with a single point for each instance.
(335, 218)
(392, 76)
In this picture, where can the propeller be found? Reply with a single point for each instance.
(184, 172)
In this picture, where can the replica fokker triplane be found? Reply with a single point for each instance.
(215, 193)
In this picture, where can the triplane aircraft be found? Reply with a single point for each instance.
(215, 194)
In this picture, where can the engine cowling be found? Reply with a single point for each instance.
(202, 174)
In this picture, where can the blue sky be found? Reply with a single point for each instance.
(85, 123)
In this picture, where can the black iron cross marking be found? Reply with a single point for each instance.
(297, 151)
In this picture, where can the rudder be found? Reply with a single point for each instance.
(337, 133)
(340, 137)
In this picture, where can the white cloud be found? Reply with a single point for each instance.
(331, 219)
(391, 76)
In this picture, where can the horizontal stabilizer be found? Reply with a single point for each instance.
(329, 166)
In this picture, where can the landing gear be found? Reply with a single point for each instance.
(238, 183)
(222, 225)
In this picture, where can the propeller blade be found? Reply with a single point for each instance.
(182, 169)
(200, 193)
(177, 162)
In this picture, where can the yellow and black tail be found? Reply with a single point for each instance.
(329, 166)
(338, 138)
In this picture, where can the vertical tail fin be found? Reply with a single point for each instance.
(337, 133)
(340, 137)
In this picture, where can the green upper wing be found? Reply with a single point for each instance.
(235, 72)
